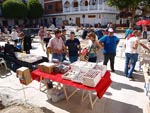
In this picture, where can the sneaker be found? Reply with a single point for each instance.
(112, 70)
(131, 79)
(135, 70)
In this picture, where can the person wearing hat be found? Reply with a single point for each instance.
(109, 43)
(56, 46)
(73, 47)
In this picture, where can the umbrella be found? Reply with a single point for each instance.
(143, 22)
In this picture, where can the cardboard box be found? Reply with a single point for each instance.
(41, 66)
(46, 67)
(24, 75)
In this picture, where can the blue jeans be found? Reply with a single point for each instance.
(57, 56)
(131, 60)
(73, 58)
(144, 35)
(92, 59)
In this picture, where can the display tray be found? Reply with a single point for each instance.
(70, 75)
(92, 77)
(27, 57)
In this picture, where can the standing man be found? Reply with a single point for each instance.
(109, 44)
(25, 42)
(63, 36)
(14, 36)
(56, 46)
(132, 44)
(128, 31)
(73, 47)
(144, 31)
(42, 35)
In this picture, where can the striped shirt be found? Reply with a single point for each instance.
(56, 43)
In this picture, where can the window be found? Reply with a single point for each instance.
(50, 7)
(67, 4)
(93, 2)
(84, 3)
(75, 3)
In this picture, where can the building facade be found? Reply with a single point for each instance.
(60, 12)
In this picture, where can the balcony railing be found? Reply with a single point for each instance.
(93, 7)
(66, 9)
(99, 7)
(83, 8)
(75, 9)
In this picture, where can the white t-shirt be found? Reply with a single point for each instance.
(14, 35)
(130, 44)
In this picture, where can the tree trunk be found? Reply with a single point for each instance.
(133, 15)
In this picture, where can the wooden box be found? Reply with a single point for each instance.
(46, 67)
(24, 75)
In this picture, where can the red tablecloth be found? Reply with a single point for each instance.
(100, 88)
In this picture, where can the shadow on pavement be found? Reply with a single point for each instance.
(5, 73)
(46, 110)
(137, 75)
(120, 73)
(119, 86)
(104, 105)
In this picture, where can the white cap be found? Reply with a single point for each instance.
(110, 30)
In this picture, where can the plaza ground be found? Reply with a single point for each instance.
(123, 95)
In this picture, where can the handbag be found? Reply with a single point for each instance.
(86, 57)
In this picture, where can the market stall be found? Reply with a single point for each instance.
(26, 60)
(100, 87)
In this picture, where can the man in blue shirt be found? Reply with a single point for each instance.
(128, 31)
(109, 43)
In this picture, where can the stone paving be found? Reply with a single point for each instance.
(123, 96)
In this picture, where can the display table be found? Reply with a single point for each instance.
(147, 79)
(147, 84)
(101, 87)
(10, 60)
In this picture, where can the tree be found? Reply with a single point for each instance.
(129, 5)
(35, 9)
(14, 9)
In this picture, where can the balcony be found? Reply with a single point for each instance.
(75, 9)
(83, 8)
(66, 9)
(97, 7)
(93, 7)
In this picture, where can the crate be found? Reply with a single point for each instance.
(46, 67)
(24, 75)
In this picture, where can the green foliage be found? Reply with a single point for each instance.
(14, 9)
(35, 9)
(129, 5)
(121, 4)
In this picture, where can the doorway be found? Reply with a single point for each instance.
(5, 23)
(54, 21)
(78, 21)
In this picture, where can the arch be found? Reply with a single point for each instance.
(84, 3)
(67, 4)
(93, 2)
(75, 3)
